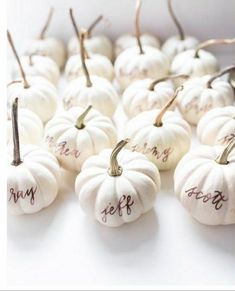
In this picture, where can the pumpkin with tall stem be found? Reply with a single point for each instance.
(95, 44)
(148, 94)
(90, 90)
(33, 174)
(46, 46)
(162, 135)
(117, 186)
(179, 43)
(35, 93)
(204, 183)
(198, 62)
(97, 64)
(141, 61)
(201, 94)
(74, 135)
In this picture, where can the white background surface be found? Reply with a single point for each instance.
(61, 246)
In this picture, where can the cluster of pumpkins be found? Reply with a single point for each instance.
(117, 185)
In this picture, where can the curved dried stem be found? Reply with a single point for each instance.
(80, 121)
(222, 159)
(83, 58)
(219, 74)
(93, 25)
(170, 77)
(158, 120)
(16, 149)
(176, 21)
(45, 27)
(26, 84)
(213, 42)
(114, 169)
(137, 25)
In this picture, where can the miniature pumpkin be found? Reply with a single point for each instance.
(163, 136)
(33, 176)
(95, 44)
(114, 191)
(148, 94)
(97, 65)
(35, 93)
(217, 126)
(30, 127)
(46, 46)
(139, 62)
(179, 43)
(86, 90)
(202, 94)
(36, 65)
(198, 62)
(204, 183)
(74, 135)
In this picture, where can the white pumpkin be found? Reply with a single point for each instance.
(37, 65)
(97, 65)
(198, 97)
(46, 46)
(33, 176)
(217, 126)
(126, 41)
(204, 182)
(139, 62)
(74, 135)
(98, 44)
(40, 96)
(164, 137)
(147, 94)
(116, 194)
(178, 43)
(30, 127)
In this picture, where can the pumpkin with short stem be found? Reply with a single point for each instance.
(204, 183)
(117, 186)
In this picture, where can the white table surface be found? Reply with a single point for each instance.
(61, 246)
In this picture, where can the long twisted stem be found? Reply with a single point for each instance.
(219, 74)
(45, 27)
(223, 157)
(16, 150)
(93, 25)
(137, 25)
(170, 77)
(176, 21)
(115, 169)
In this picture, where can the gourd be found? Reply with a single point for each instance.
(117, 191)
(198, 62)
(179, 43)
(36, 65)
(74, 135)
(97, 64)
(139, 62)
(204, 183)
(30, 127)
(203, 94)
(47, 46)
(95, 44)
(35, 93)
(148, 94)
(163, 136)
(217, 126)
(90, 90)
(33, 175)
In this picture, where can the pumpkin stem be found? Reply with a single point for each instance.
(45, 27)
(26, 84)
(176, 21)
(158, 120)
(17, 160)
(222, 159)
(115, 169)
(31, 59)
(80, 121)
(219, 74)
(171, 77)
(137, 25)
(93, 25)
(212, 42)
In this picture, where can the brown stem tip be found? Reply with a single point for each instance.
(48, 21)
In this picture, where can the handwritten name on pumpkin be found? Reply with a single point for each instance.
(217, 198)
(194, 105)
(61, 148)
(124, 203)
(20, 194)
(158, 154)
